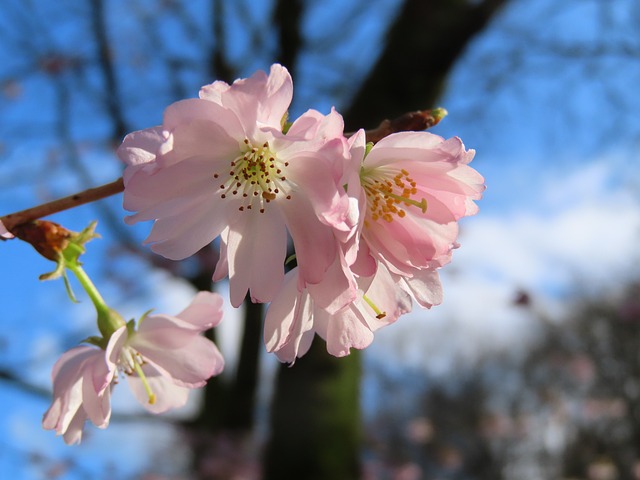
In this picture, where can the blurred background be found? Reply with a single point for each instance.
(531, 367)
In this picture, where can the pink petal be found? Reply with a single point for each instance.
(256, 249)
(180, 236)
(94, 403)
(68, 368)
(338, 287)
(344, 330)
(198, 137)
(73, 432)
(316, 182)
(282, 313)
(67, 376)
(405, 145)
(313, 125)
(190, 366)
(142, 146)
(306, 125)
(278, 96)
(194, 109)
(425, 287)
(191, 178)
(167, 394)
(260, 99)
(164, 332)
(205, 311)
(222, 266)
(289, 322)
(386, 293)
(314, 242)
(213, 92)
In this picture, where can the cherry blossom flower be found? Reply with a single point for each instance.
(416, 186)
(408, 193)
(82, 380)
(222, 165)
(162, 360)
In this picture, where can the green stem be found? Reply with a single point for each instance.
(108, 320)
(89, 287)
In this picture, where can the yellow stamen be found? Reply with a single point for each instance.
(147, 387)
(387, 191)
(256, 175)
(422, 204)
(379, 313)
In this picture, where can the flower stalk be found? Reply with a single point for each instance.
(108, 320)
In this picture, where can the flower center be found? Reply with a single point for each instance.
(130, 363)
(256, 175)
(389, 191)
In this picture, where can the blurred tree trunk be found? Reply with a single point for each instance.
(315, 420)
(422, 46)
(315, 415)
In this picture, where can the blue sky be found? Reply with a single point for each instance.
(560, 217)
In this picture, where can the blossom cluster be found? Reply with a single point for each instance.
(370, 224)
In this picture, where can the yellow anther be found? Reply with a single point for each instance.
(386, 192)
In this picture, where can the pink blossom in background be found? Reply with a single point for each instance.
(221, 165)
(172, 354)
(82, 380)
(162, 360)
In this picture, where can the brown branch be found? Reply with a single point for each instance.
(411, 121)
(91, 195)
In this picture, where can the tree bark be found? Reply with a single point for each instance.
(425, 41)
(315, 419)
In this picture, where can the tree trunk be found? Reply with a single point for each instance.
(315, 421)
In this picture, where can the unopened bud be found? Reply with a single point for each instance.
(48, 238)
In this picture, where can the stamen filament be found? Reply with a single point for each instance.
(255, 175)
(290, 259)
(143, 377)
(379, 313)
(422, 204)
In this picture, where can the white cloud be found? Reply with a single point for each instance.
(577, 234)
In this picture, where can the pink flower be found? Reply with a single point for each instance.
(294, 317)
(162, 360)
(406, 196)
(415, 187)
(82, 379)
(221, 165)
